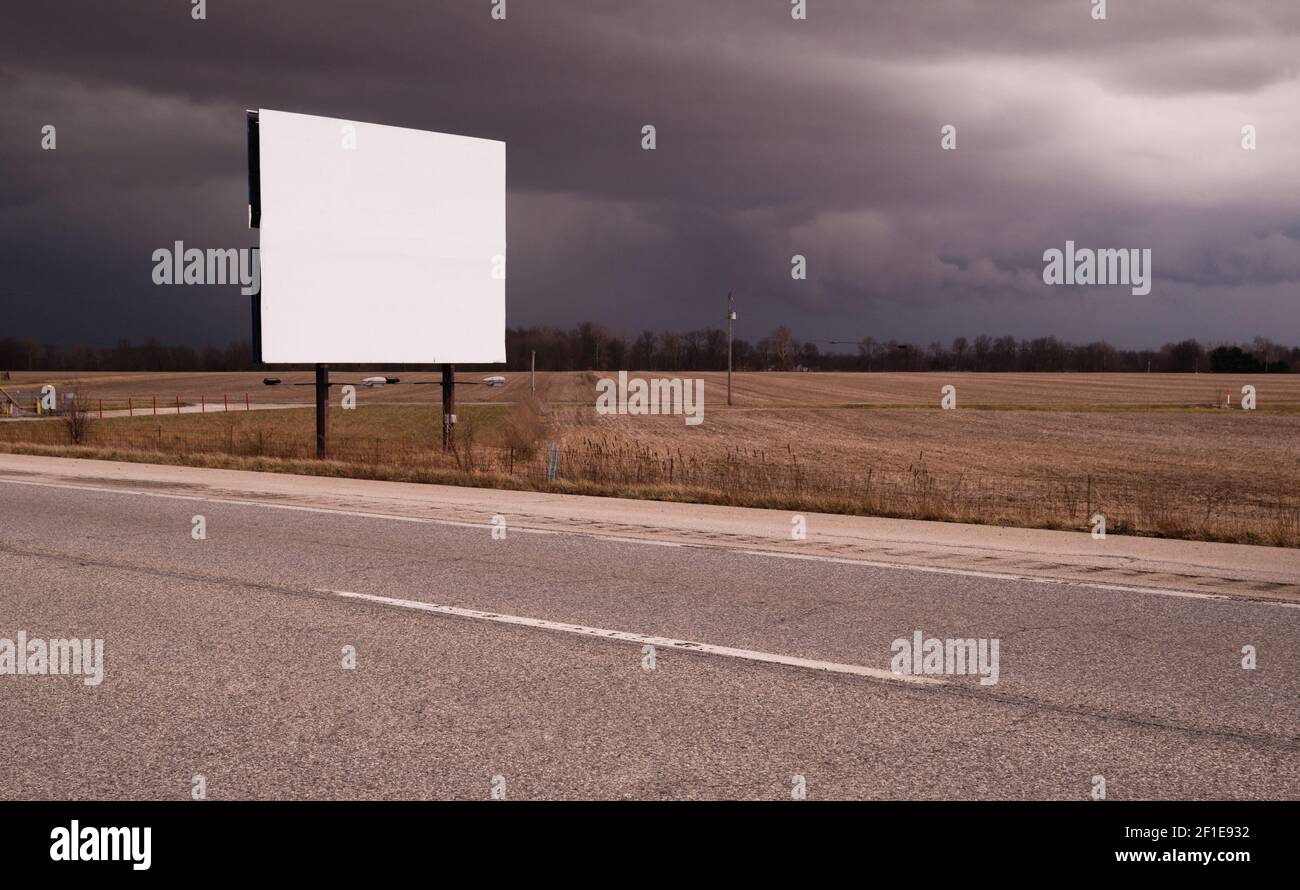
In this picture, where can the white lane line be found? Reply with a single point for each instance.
(938, 570)
(640, 639)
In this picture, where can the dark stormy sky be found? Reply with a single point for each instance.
(776, 137)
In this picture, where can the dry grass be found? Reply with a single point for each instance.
(1145, 450)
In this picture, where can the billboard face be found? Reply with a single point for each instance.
(379, 245)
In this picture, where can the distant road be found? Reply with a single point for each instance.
(524, 658)
(147, 410)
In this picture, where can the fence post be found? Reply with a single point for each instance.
(130, 411)
(203, 405)
(155, 406)
(225, 400)
(178, 404)
(101, 409)
(246, 405)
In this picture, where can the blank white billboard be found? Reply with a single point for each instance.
(379, 245)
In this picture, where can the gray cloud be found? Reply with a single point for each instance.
(776, 137)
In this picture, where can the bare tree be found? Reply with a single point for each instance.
(76, 421)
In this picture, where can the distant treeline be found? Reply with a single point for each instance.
(590, 347)
(28, 355)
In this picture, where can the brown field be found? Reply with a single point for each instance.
(750, 390)
(1044, 450)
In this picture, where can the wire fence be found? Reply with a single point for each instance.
(20, 403)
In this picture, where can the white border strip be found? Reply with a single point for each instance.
(975, 573)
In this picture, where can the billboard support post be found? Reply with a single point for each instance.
(448, 407)
(322, 412)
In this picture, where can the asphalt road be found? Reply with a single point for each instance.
(223, 658)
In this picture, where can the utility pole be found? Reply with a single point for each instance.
(532, 374)
(448, 407)
(731, 317)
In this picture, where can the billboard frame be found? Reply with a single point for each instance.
(322, 381)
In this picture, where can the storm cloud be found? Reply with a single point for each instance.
(775, 137)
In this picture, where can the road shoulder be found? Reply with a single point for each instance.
(1118, 561)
